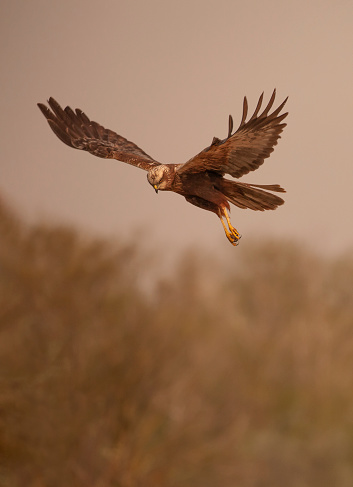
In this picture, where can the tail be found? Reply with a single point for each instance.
(252, 196)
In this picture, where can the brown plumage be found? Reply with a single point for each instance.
(201, 179)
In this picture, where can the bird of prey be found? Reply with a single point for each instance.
(201, 179)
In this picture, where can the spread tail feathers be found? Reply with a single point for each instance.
(252, 196)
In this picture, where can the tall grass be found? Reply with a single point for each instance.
(237, 379)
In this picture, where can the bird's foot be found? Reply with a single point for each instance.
(234, 232)
(233, 236)
(231, 233)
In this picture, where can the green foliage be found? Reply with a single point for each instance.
(211, 378)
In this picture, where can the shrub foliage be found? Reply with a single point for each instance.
(242, 377)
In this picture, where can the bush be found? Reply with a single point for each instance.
(209, 378)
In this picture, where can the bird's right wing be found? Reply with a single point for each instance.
(76, 130)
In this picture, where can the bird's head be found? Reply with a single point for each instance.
(157, 176)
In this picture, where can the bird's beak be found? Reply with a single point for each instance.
(155, 188)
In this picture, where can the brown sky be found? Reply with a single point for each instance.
(166, 75)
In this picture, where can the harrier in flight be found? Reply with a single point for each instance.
(201, 179)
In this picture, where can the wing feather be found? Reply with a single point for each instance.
(245, 112)
(76, 130)
(247, 148)
(257, 109)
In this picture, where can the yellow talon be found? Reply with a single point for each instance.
(231, 233)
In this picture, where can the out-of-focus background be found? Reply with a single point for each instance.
(219, 376)
(137, 347)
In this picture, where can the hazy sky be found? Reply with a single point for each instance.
(166, 75)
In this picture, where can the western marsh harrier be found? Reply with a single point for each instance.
(201, 179)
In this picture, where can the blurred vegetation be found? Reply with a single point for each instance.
(241, 377)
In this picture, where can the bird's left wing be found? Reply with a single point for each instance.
(76, 130)
(244, 150)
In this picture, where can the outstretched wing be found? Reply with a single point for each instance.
(76, 130)
(246, 149)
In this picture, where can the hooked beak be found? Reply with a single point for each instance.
(155, 188)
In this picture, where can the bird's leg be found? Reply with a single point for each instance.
(231, 233)
(229, 236)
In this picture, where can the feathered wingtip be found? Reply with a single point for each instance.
(230, 126)
(255, 115)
